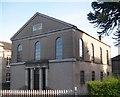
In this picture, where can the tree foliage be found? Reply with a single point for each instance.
(106, 17)
(109, 87)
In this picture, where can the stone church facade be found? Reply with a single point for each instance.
(51, 54)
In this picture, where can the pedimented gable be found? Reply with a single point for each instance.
(40, 24)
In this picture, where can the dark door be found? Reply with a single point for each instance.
(28, 78)
(44, 78)
(36, 79)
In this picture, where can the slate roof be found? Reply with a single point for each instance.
(6, 45)
(116, 58)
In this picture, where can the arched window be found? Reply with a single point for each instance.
(92, 53)
(81, 49)
(93, 75)
(82, 77)
(100, 55)
(37, 50)
(107, 56)
(101, 75)
(59, 50)
(19, 53)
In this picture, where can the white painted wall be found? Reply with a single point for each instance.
(1, 58)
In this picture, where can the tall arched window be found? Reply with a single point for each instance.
(100, 55)
(107, 56)
(81, 49)
(19, 53)
(92, 55)
(59, 50)
(37, 50)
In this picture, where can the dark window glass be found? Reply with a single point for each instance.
(92, 55)
(7, 77)
(81, 49)
(108, 73)
(59, 51)
(8, 61)
(100, 55)
(93, 75)
(107, 55)
(82, 77)
(101, 75)
(19, 53)
(37, 51)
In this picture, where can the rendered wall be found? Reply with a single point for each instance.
(17, 77)
(60, 75)
(88, 68)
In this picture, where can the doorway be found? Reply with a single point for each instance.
(36, 79)
(43, 78)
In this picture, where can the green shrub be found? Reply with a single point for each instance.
(106, 88)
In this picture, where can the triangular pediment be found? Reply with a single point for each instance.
(43, 24)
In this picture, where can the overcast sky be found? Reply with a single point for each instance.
(14, 14)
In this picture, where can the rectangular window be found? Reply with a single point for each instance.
(82, 77)
(93, 75)
(107, 55)
(108, 73)
(7, 77)
(8, 61)
(81, 49)
(101, 75)
(37, 27)
(92, 54)
(101, 56)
